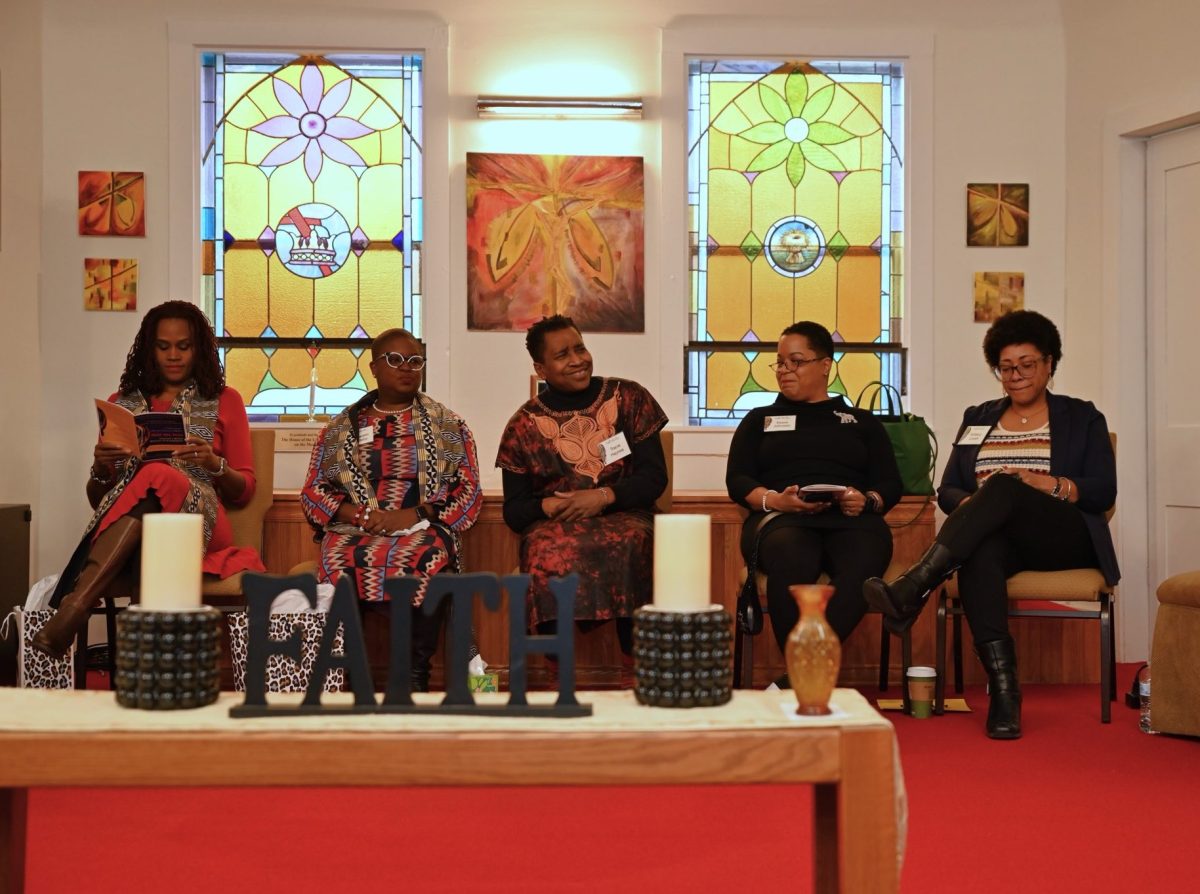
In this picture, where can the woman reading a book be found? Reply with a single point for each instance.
(172, 367)
(392, 482)
(817, 476)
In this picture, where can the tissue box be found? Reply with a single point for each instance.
(483, 682)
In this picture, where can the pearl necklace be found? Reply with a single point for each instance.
(396, 412)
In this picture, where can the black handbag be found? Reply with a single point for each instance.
(749, 606)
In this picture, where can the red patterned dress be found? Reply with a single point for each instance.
(423, 455)
(552, 443)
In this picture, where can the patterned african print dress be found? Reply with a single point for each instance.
(423, 455)
(552, 443)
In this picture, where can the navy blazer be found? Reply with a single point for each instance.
(1080, 449)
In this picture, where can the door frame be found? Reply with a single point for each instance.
(1125, 339)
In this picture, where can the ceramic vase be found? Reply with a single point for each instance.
(814, 653)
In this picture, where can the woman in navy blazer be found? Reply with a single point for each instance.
(1026, 488)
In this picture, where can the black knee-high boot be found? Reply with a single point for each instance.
(999, 659)
(901, 600)
(426, 631)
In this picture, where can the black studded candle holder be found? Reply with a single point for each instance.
(682, 659)
(168, 659)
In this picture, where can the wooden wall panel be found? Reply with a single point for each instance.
(1048, 651)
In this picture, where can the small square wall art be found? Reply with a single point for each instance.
(998, 214)
(110, 283)
(112, 203)
(997, 294)
(549, 234)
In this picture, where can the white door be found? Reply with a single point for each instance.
(1173, 344)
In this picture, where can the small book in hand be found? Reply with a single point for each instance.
(147, 435)
(821, 493)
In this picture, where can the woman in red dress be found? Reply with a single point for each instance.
(172, 367)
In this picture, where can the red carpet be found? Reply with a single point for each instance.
(1073, 806)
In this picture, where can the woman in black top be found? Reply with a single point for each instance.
(805, 438)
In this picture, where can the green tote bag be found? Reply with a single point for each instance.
(913, 442)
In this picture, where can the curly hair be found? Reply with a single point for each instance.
(1023, 327)
(817, 335)
(535, 336)
(141, 371)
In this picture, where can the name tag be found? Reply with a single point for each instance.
(614, 448)
(779, 423)
(973, 434)
(366, 435)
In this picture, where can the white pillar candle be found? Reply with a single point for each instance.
(682, 565)
(172, 551)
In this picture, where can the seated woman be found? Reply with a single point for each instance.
(582, 467)
(807, 438)
(1026, 488)
(172, 367)
(392, 482)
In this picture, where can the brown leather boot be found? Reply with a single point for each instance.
(107, 556)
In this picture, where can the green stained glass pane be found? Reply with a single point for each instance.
(796, 164)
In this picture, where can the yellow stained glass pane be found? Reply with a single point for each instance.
(773, 302)
(718, 150)
(292, 367)
(774, 199)
(336, 301)
(257, 146)
(337, 186)
(335, 367)
(858, 297)
(729, 277)
(245, 286)
(848, 153)
(861, 207)
(869, 95)
(729, 204)
(862, 121)
(291, 301)
(261, 99)
(290, 187)
(244, 370)
(857, 371)
(844, 102)
(391, 93)
(726, 373)
(381, 280)
(364, 369)
(381, 214)
(873, 148)
(367, 148)
(760, 368)
(391, 146)
(245, 201)
(815, 297)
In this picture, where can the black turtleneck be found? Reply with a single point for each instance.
(832, 443)
(639, 490)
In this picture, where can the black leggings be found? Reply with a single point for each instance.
(794, 554)
(1006, 527)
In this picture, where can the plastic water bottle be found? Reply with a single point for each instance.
(1144, 700)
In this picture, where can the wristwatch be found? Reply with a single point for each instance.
(425, 513)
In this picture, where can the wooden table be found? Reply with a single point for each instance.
(849, 758)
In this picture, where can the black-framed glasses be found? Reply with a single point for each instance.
(790, 364)
(1023, 369)
(396, 360)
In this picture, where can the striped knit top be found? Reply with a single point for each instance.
(1015, 449)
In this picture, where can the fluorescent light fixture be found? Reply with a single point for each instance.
(557, 107)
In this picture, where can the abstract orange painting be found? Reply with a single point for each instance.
(997, 214)
(551, 234)
(110, 283)
(112, 203)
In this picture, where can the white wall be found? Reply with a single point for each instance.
(20, 250)
(979, 112)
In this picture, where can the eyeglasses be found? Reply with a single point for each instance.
(791, 365)
(395, 360)
(1024, 369)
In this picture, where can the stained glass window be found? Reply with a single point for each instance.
(310, 227)
(795, 195)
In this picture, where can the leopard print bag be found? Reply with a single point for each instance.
(37, 670)
(282, 673)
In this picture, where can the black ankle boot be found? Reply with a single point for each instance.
(999, 659)
(901, 600)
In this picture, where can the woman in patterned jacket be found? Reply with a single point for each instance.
(172, 367)
(392, 482)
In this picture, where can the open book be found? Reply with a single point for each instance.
(148, 435)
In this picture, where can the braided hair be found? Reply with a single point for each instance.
(141, 371)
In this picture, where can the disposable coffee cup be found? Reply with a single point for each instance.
(920, 690)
